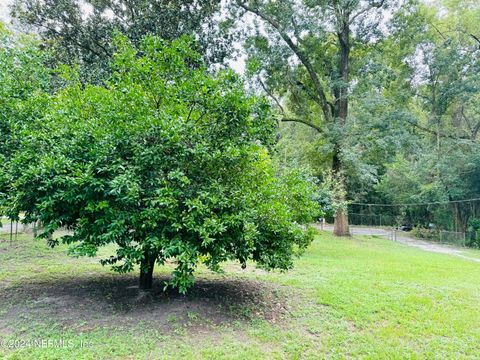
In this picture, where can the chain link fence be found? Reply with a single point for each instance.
(452, 237)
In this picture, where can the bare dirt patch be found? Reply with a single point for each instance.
(93, 301)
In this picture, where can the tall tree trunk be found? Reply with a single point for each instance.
(341, 227)
(146, 271)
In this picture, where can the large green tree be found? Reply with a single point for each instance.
(167, 162)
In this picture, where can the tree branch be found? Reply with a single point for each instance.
(302, 86)
(475, 38)
(322, 99)
(374, 4)
(434, 132)
(438, 31)
(269, 93)
(302, 121)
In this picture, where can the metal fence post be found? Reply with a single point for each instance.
(394, 234)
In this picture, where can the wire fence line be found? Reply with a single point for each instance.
(11, 229)
(453, 237)
(419, 204)
(452, 215)
(371, 219)
(457, 238)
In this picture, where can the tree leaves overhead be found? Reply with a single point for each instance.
(82, 31)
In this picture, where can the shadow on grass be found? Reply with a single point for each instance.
(89, 301)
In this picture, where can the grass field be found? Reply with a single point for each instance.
(363, 297)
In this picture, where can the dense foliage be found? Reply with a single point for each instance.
(25, 80)
(410, 134)
(306, 55)
(167, 162)
(141, 143)
(81, 31)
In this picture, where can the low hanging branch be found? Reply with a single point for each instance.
(302, 121)
(288, 119)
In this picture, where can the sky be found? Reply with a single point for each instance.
(4, 9)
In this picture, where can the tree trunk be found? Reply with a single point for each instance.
(340, 226)
(146, 271)
(344, 69)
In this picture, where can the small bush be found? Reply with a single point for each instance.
(423, 233)
(473, 232)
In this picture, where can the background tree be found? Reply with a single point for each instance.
(302, 54)
(25, 80)
(411, 104)
(445, 87)
(82, 31)
(166, 162)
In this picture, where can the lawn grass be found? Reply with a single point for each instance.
(361, 297)
(469, 252)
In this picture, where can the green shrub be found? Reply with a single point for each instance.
(424, 233)
(473, 232)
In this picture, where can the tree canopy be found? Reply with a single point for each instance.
(81, 32)
(406, 98)
(166, 162)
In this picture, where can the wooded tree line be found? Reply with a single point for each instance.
(382, 94)
(121, 121)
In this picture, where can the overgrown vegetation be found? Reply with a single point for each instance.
(408, 74)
